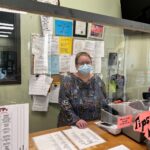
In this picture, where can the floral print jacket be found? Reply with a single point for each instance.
(80, 100)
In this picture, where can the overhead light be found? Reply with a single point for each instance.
(1, 35)
(12, 11)
(6, 28)
(5, 32)
(6, 24)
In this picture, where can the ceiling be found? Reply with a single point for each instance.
(138, 10)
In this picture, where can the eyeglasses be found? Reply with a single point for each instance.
(86, 62)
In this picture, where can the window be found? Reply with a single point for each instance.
(10, 71)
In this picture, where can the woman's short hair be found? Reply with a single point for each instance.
(81, 54)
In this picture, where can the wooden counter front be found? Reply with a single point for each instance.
(111, 140)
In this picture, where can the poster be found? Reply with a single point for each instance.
(65, 45)
(53, 64)
(63, 28)
(95, 31)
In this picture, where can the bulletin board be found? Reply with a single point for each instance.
(53, 55)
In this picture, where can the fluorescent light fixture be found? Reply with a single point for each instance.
(5, 32)
(1, 35)
(6, 28)
(6, 24)
(12, 11)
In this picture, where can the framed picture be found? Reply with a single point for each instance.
(80, 28)
(95, 31)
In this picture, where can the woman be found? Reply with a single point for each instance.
(81, 94)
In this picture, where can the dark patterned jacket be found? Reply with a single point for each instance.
(80, 100)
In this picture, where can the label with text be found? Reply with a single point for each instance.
(142, 124)
(124, 121)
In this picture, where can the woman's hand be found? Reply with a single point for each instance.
(81, 124)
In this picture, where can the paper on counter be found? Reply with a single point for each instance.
(83, 138)
(39, 85)
(53, 141)
(120, 147)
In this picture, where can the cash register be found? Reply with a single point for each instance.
(146, 99)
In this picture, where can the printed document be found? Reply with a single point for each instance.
(53, 141)
(83, 138)
(40, 103)
(14, 127)
(39, 85)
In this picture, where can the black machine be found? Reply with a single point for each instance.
(146, 95)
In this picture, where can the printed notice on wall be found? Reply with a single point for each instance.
(65, 45)
(39, 85)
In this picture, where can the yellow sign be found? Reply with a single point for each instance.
(65, 45)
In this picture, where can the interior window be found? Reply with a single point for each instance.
(10, 72)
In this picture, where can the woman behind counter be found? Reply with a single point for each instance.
(81, 94)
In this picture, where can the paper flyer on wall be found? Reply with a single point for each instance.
(47, 25)
(63, 27)
(72, 64)
(84, 46)
(53, 45)
(78, 46)
(64, 63)
(37, 44)
(53, 64)
(39, 85)
(40, 52)
(14, 127)
(54, 93)
(97, 65)
(99, 48)
(40, 103)
(65, 45)
(90, 47)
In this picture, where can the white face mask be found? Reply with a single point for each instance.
(85, 69)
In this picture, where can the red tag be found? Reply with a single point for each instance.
(124, 121)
